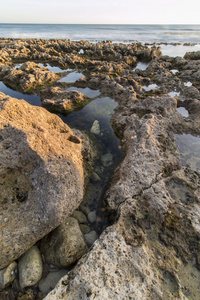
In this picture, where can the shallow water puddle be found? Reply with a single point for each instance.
(46, 65)
(178, 50)
(100, 110)
(31, 99)
(85, 91)
(141, 65)
(174, 94)
(187, 83)
(52, 68)
(152, 86)
(98, 113)
(71, 77)
(189, 149)
(174, 71)
(183, 111)
(180, 193)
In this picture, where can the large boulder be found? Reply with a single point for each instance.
(41, 175)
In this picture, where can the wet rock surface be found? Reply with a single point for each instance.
(151, 250)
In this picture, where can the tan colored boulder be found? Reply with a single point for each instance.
(41, 175)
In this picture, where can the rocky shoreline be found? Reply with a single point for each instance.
(150, 250)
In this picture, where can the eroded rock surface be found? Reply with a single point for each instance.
(152, 250)
(41, 175)
(27, 76)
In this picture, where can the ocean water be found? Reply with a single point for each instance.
(115, 33)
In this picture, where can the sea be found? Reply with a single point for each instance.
(170, 34)
(95, 33)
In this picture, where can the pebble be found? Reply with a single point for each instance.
(91, 237)
(95, 129)
(30, 268)
(107, 159)
(8, 274)
(80, 217)
(49, 282)
(92, 216)
(95, 177)
(84, 228)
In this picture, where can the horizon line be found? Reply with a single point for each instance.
(145, 24)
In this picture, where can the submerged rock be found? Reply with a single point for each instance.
(41, 175)
(90, 237)
(49, 282)
(95, 129)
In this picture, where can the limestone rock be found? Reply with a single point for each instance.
(152, 250)
(30, 268)
(7, 275)
(28, 76)
(59, 100)
(41, 175)
(65, 245)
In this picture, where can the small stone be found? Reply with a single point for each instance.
(30, 268)
(84, 228)
(92, 216)
(91, 237)
(95, 129)
(80, 217)
(5, 220)
(95, 177)
(107, 159)
(49, 282)
(8, 274)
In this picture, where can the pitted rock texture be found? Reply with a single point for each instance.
(27, 76)
(41, 175)
(152, 250)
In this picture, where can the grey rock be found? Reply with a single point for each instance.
(49, 282)
(30, 268)
(92, 216)
(91, 237)
(65, 245)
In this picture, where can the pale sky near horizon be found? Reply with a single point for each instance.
(100, 12)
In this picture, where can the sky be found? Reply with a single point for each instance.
(100, 11)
